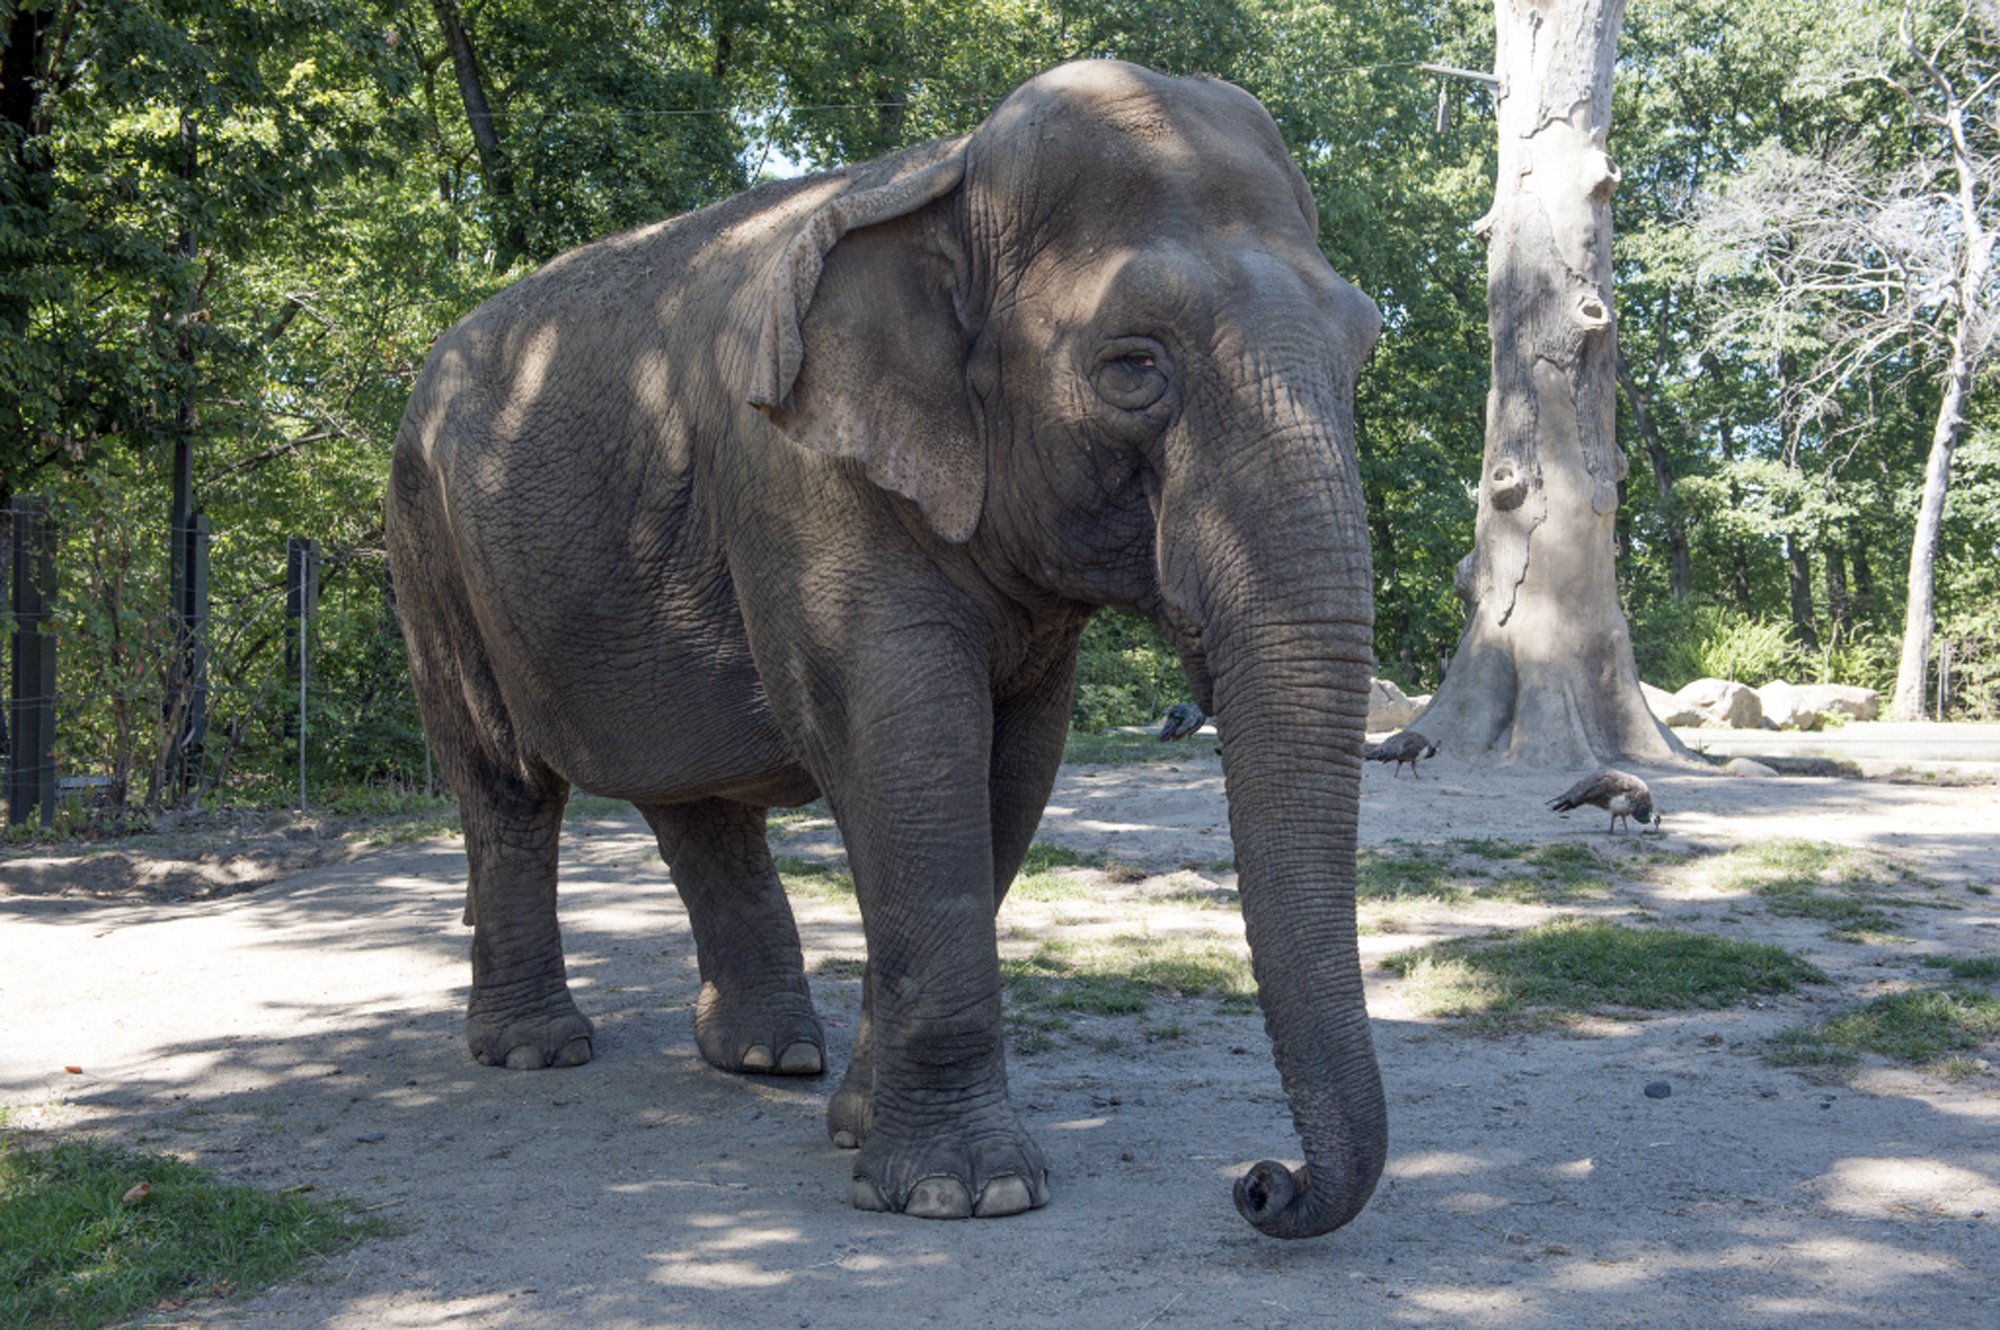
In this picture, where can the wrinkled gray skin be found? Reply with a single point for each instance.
(812, 491)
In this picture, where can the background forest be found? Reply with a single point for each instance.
(239, 227)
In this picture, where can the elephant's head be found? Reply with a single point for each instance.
(1097, 343)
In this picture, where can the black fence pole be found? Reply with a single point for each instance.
(301, 595)
(31, 765)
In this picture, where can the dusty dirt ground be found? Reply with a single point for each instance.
(309, 1032)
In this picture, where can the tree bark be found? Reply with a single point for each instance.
(510, 240)
(1544, 673)
(1968, 348)
(1839, 616)
(1663, 481)
(1798, 576)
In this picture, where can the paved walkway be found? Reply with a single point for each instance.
(1875, 746)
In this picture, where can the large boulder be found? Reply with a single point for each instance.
(1670, 709)
(1721, 702)
(1390, 708)
(1786, 708)
(1844, 699)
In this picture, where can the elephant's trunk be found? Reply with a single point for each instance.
(1286, 640)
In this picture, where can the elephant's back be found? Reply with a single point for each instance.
(561, 427)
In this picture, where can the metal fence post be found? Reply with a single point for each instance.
(301, 594)
(31, 765)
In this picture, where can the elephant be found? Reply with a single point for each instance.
(811, 492)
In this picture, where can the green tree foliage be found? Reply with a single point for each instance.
(244, 225)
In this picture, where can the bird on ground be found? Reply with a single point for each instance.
(1183, 719)
(1406, 746)
(1618, 793)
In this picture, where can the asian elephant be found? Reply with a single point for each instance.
(812, 492)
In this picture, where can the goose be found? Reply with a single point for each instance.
(1407, 746)
(1618, 793)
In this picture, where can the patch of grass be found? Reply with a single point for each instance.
(816, 811)
(1404, 871)
(841, 967)
(1558, 970)
(1984, 969)
(1980, 889)
(1118, 976)
(1041, 877)
(75, 1253)
(813, 878)
(1487, 848)
(1850, 889)
(1113, 749)
(1920, 1026)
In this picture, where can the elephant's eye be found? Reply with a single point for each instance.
(1131, 373)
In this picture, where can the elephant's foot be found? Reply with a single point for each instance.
(850, 1111)
(553, 1034)
(773, 1033)
(983, 1168)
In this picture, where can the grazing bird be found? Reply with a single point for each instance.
(1618, 793)
(1407, 746)
(1183, 719)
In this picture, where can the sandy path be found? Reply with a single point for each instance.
(1531, 1182)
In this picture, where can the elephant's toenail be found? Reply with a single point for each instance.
(866, 1197)
(574, 1053)
(756, 1058)
(939, 1198)
(846, 1140)
(802, 1059)
(1004, 1196)
(526, 1057)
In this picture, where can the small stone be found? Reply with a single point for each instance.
(370, 1137)
(1658, 1089)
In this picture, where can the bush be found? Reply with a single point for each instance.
(1126, 673)
(1714, 642)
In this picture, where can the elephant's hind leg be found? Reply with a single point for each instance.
(521, 1015)
(755, 1012)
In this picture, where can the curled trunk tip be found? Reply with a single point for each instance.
(1279, 1202)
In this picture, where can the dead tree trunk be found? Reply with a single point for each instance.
(1544, 673)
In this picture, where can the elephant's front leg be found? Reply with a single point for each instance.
(942, 1140)
(1029, 728)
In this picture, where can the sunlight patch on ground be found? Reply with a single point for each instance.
(1895, 1188)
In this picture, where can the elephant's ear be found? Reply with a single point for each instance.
(862, 353)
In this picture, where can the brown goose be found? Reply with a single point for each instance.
(1408, 746)
(1618, 793)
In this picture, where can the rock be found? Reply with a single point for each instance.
(1658, 1089)
(1840, 698)
(1785, 707)
(1743, 766)
(1670, 709)
(1389, 708)
(370, 1137)
(1724, 703)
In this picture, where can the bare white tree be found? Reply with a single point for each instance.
(1859, 265)
(1544, 672)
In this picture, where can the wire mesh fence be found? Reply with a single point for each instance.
(291, 687)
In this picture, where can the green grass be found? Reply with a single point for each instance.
(814, 879)
(1852, 890)
(73, 1253)
(1120, 976)
(1128, 749)
(1457, 871)
(1406, 871)
(841, 967)
(1558, 970)
(1040, 878)
(1921, 1026)
(1984, 969)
